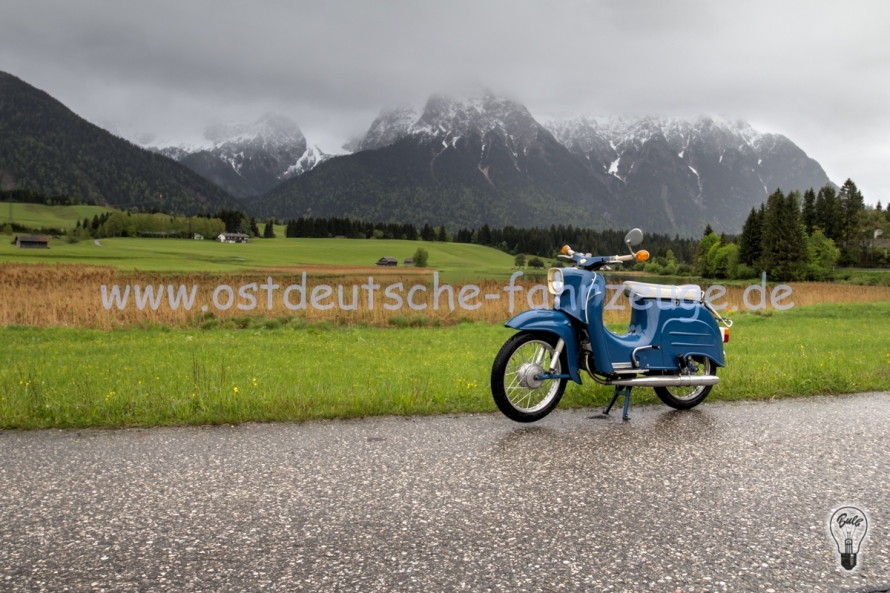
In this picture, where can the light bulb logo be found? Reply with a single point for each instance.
(848, 526)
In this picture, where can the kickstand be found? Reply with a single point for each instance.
(619, 391)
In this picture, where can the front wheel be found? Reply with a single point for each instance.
(517, 391)
(684, 398)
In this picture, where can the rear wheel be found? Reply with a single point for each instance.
(517, 391)
(683, 398)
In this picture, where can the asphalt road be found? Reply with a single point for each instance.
(726, 497)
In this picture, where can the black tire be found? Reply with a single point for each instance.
(512, 382)
(684, 398)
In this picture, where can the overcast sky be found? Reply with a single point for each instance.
(817, 72)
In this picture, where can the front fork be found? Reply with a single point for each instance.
(557, 352)
(554, 360)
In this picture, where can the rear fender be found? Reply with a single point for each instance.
(554, 322)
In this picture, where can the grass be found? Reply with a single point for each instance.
(52, 217)
(455, 261)
(864, 277)
(293, 369)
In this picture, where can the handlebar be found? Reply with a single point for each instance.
(595, 262)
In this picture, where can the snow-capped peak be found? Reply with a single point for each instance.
(715, 134)
(247, 158)
(391, 125)
(451, 118)
(270, 130)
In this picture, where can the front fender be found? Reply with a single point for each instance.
(554, 322)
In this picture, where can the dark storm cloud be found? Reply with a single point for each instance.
(817, 72)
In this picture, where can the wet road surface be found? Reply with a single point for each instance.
(725, 497)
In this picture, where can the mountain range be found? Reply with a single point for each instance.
(46, 148)
(481, 160)
(688, 172)
(458, 162)
(248, 159)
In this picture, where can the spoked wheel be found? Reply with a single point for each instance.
(683, 398)
(517, 390)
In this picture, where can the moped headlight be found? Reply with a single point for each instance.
(555, 281)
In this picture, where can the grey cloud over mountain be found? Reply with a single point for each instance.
(816, 72)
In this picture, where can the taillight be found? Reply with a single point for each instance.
(725, 331)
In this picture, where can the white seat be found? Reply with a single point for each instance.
(665, 292)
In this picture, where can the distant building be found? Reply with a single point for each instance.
(198, 237)
(31, 242)
(233, 238)
(408, 261)
(387, 261)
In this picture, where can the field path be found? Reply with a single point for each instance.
(726, 497)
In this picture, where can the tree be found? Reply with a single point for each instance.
(829, 213)
(750, 240)
(808, 214)
(520, 260)
(701, 255)
(536, 263)
(421, 257)
(822, 255)
(783, 237)
(852, 204)
(723, 260)
(117, 225)
(442, 234)
(269, 231)
(484, 236)
(427, 233)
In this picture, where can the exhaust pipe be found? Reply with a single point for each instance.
(669, 381)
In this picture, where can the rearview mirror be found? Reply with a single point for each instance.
(634, 237)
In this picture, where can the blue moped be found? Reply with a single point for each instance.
(673, 343)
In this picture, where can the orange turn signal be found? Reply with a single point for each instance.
(642, 255)
(725, 332)
(564, 250)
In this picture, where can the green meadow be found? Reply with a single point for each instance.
(288, 369)
(454, 261)
(51, 217)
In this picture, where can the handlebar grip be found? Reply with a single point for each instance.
(625, 257)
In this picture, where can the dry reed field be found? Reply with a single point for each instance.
(71, 296)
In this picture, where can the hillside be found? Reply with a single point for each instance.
(46, 148)
(52, 217)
